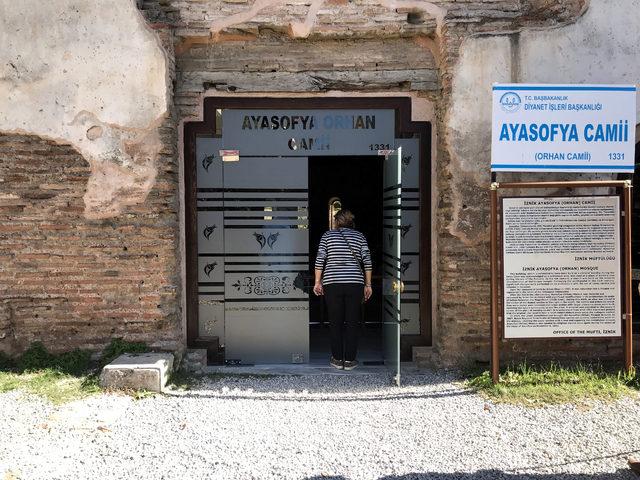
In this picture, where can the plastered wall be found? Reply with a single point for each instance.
(92, 75)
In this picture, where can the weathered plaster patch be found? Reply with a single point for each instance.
(483, 61)
(304, 29)
(598, 48)
(602, 47)
(91, 74)
(95, 132)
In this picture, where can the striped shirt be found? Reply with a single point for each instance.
(341, 266)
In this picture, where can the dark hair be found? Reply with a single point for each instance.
(344, 219)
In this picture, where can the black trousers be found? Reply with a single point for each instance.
(344, 304)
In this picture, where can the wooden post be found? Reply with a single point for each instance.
(628, 324)
(495, 354)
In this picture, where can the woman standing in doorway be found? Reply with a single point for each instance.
(343, 274)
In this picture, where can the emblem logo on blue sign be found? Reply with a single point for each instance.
(510, 102)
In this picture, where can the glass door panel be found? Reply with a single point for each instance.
(391, 283)
(266, 245)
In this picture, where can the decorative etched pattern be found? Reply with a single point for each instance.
(272, 239)
(263, 285)
(262, 240)
(209, 267)
(207, 161)
(404, 266)
(404, 229)
(208, 231)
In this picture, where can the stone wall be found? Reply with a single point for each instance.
(72, 282)
(272, 46)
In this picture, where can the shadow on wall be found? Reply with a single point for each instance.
(494, 475)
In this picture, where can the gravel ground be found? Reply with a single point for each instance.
(335, 427)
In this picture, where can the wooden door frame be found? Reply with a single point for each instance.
(405, 127)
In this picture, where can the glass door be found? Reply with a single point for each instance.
(391, 280)
(266, 246)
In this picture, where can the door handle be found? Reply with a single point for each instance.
(397, 285)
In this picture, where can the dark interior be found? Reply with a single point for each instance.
(357, 181)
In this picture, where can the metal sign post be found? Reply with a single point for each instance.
(625, 187)
(495, 346)
(628, 324)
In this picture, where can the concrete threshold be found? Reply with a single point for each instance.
(304, 369)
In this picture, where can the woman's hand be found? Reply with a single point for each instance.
(317, 289)
(367, 292)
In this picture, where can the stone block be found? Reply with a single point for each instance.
(145, 371)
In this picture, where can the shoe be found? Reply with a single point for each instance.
(350, 364)
(634, 465)
(335, 363)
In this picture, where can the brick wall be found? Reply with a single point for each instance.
(71, 282)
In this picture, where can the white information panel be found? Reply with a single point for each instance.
(561, 267)
(563, 128)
